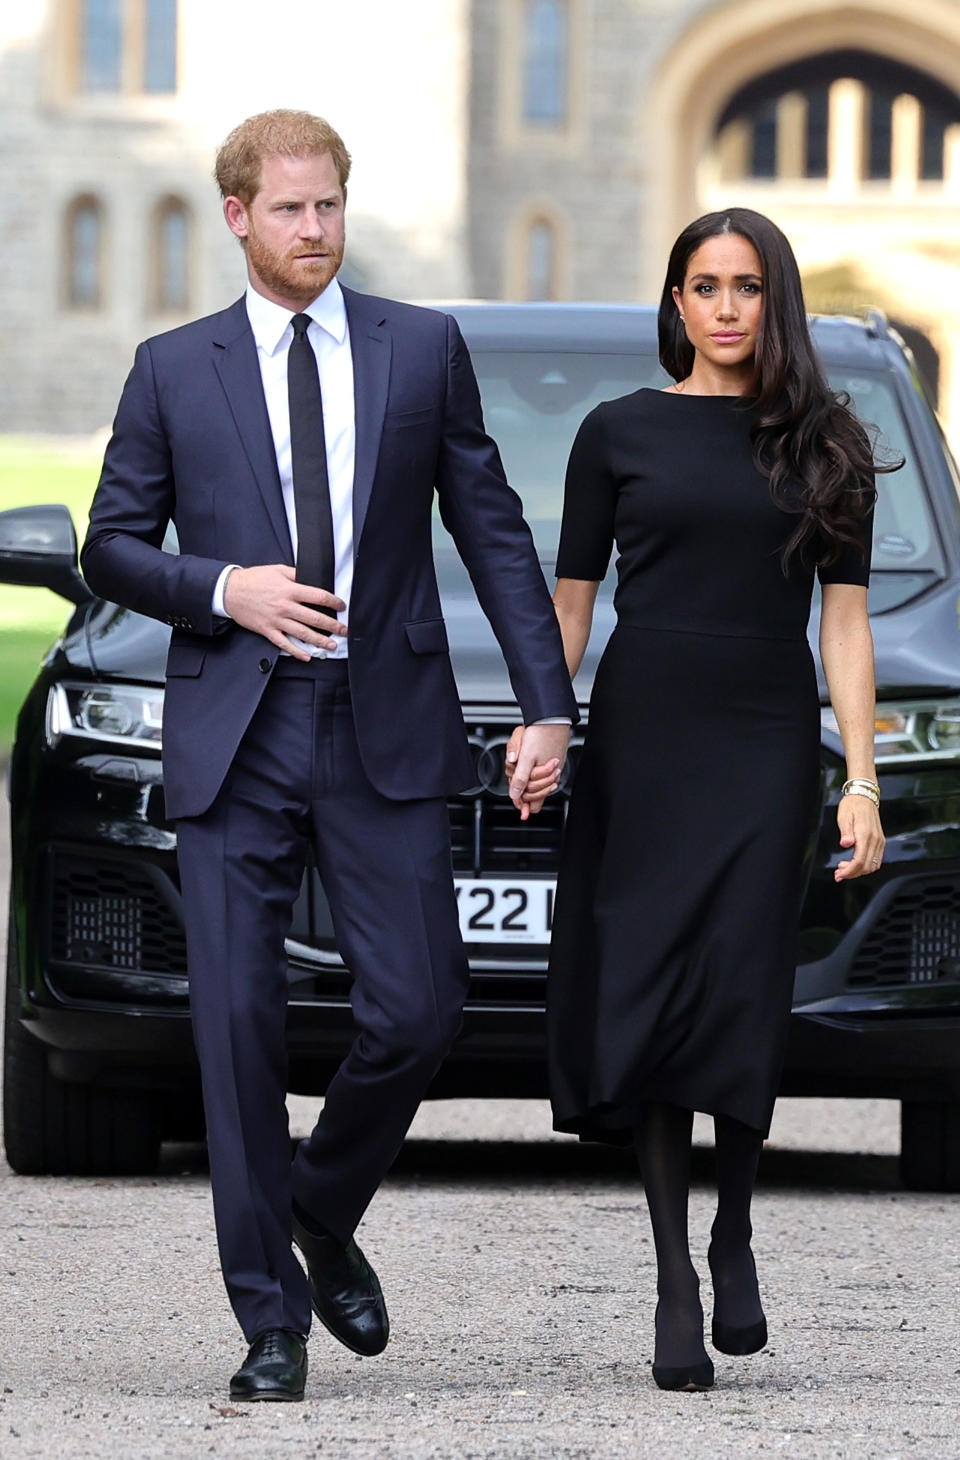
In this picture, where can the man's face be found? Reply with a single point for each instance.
(292, 229)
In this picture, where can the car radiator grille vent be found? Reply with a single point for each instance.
(488, 836)
(111, 915)
(917, 939)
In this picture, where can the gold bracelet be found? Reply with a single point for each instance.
(860, 786)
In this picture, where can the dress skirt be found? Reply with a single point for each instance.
(675, 930)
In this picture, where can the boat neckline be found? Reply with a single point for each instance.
(682, 395)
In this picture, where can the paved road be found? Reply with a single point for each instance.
(519, 1272)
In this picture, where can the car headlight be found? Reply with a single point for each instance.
(910, 730)
(125, 714)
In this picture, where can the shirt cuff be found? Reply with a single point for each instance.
(220, 589)
(554, 720)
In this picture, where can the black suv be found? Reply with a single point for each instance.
(99, 1059)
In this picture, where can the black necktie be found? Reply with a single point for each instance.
(308, 450)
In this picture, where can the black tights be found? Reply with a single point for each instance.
(662, 1140)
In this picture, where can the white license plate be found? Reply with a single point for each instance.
(505, 910)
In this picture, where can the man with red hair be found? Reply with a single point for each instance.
(297, 440)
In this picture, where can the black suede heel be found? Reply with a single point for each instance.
(687, 1377)
(729, 1338)
(690, 1379)
(739, 1341)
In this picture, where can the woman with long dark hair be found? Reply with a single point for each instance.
(677, 906)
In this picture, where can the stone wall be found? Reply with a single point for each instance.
(392, 79)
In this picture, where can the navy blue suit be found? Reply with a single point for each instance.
(355, 757)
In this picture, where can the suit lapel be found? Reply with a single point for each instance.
(236, 363)
(371, 348)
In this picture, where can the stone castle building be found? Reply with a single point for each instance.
(502, 149)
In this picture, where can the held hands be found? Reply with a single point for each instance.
(269, 601)
(859, 823)
(534, 759)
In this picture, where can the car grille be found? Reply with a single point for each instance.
(486, 832)
(488, 836)
(112, 914)
(916, 940)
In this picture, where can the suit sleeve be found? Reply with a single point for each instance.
(122, 557)
(484, 516)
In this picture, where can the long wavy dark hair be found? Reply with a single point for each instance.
(807, 440)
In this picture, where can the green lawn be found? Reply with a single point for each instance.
(32, 472)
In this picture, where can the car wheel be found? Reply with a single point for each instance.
(54, 1128)
(930, 1145)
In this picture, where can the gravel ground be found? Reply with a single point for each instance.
(519, 1272)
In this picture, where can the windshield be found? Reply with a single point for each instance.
(534, 402)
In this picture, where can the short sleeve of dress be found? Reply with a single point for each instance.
(589, 505)
(853, 564)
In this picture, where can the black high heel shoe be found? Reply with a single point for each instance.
(727, 1338)
(689, 1378)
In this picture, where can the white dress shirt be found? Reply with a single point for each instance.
(330, 338)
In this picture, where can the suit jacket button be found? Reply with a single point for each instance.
(265, 666)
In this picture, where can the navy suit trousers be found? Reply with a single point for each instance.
(297, 780)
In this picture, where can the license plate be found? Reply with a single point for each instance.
(505, 910)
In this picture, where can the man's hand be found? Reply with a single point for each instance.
(269, 601)
(534, 759)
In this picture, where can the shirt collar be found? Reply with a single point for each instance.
(270, 322)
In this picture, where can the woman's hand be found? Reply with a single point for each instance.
(859, 823)
(542, 780)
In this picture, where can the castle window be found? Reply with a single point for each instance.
(83, 248)
(160, 46)
(541, 260)
(171, 264)
(122, 47)
(101, 45)
(546, 47)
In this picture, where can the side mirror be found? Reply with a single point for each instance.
(38, 549)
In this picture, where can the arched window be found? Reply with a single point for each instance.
(101, 45)
(83, 251)
(171, 263)
(546, 61)
(541, 260)
(160, 46)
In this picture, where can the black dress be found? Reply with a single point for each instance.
(677, 905)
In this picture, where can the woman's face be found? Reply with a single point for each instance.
(722, 299)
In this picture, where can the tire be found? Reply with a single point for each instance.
(52, 1128)
(930, 1145)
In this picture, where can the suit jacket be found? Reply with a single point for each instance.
(192, 443)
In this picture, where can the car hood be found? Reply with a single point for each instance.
(917, 644)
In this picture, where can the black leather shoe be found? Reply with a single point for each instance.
(344, 1290)
(275, 1368)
